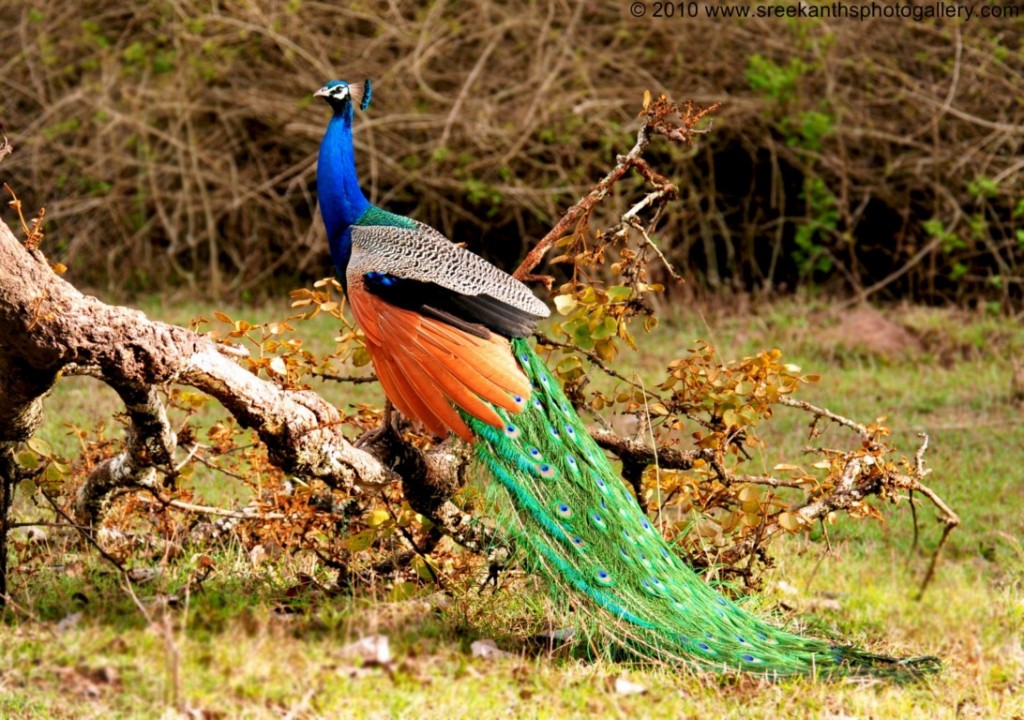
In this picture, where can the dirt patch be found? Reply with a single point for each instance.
(868, 331)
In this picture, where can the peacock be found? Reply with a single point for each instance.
(447, 332)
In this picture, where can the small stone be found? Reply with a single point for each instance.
(488, 650)
(625, 686)
(372, 650)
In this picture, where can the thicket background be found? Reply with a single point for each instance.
(173, 143)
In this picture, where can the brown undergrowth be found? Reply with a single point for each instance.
(174, 144)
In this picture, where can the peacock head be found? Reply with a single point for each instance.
(341, 96)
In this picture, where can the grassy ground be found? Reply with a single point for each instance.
(79, 644)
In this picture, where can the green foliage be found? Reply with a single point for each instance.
(813, 126)
(480, 193)
(983, 187)
(814, 236)
(777, 83)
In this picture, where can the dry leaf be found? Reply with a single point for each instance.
(278, 366)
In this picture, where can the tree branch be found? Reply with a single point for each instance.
(654, 122)
(47, 325)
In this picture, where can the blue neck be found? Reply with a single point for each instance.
(342, 202)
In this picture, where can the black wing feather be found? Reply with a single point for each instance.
(475, 314)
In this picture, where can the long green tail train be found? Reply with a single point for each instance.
(588, 536)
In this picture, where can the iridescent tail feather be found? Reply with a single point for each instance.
(581, 528)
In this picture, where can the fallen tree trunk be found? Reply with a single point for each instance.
(49, 328)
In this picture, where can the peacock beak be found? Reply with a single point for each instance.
(322, 92)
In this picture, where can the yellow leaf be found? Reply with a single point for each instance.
(790, 522)
(606, 349)
(222, 317)
(748, 493)
(647, 99)
(378, 517)
(40, 446)
(361, 357)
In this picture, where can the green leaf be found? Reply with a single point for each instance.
(28, 460)
(424, 569)
(360, 541)
(605, 329)
(581, 336)
(619, 293)
(403, 591)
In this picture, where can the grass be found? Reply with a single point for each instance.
(254, 640)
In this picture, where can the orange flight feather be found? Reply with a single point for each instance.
(428, 368)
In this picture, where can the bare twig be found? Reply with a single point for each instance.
(935, 559)
(353, 379)
(654, 122)
(657, 251)
(827, 414)
(593, 357)
(221, 512)
(84, 532)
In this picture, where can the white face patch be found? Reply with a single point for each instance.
(338, 92)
